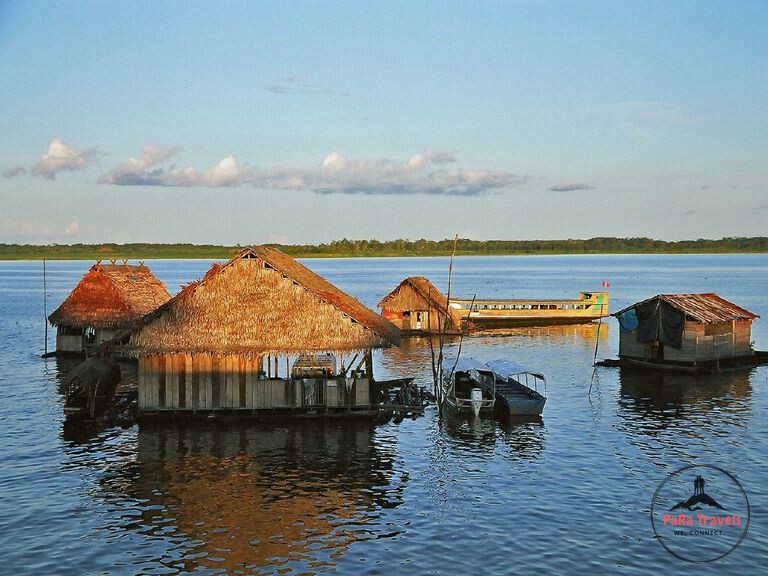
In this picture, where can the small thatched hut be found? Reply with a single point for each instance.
(232, 340)
(684, 329)
(109, 300)
(417, 306)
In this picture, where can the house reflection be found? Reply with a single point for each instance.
(654, 401)
(248, 498)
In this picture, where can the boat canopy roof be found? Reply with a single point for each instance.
(506, 368)
(464, 365)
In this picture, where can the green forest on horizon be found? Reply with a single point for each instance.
(374, 248)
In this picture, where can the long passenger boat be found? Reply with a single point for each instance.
(416, 306)
(587, 307)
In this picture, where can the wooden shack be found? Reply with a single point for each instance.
(684, 329)
(109, 300)
(230, 341)
(416, 306)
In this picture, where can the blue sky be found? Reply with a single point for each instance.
(250, 122)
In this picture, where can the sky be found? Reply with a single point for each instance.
(307, 122)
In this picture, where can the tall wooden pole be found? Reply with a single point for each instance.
(597, 339)
(45, 308)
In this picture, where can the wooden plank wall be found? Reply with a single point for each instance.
(700, 342)
(67, 343)
(203, 382)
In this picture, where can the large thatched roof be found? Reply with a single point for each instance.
(261, 302)
(414, 293)
(111, 296)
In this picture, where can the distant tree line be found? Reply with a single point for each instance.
(399, 247)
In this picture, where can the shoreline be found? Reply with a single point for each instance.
(389, 249)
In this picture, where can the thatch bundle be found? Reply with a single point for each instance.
(414, 293)
(262, 302)
(111, 296)
(419, 294)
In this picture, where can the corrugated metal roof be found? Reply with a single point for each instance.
(707, 308)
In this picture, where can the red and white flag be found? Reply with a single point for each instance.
(606, 284)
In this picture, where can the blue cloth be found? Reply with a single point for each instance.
(628, 321)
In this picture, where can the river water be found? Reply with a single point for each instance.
(569, 494)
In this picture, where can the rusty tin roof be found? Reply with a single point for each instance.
(708, 308)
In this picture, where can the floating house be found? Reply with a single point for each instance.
(259, 333)
(684, 329)
(109, 300)
(417, 306)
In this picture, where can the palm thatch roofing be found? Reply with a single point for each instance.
(111, 296)
(261, 302)
(414, 293)
(707, 308)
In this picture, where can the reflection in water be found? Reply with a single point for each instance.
(577, 334)
(525, 438)
(413, 357)
(246, 498)
(653, 402)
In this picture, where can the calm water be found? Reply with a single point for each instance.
(571, 493)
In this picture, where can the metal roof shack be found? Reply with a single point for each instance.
(707, 307)
(684, 328)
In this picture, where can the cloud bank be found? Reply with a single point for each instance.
(60, 157)
(422, 173)
(136, 171)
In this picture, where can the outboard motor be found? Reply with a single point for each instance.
(476, 398)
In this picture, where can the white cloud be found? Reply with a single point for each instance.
(422, 159)
(71, 229)
(336, 174)
(62, 157)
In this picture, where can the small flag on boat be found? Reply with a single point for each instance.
(606, 284)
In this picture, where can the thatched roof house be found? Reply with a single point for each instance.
(262, 302)
(223, 340)
(416, 305)
(684, 328)
(110, 298)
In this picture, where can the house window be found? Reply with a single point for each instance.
(70, 331)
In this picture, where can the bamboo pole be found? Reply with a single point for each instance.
(437, 360)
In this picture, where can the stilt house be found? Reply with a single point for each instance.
(260, 332)
(417, 306)
(109, 300)
(684, 329)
